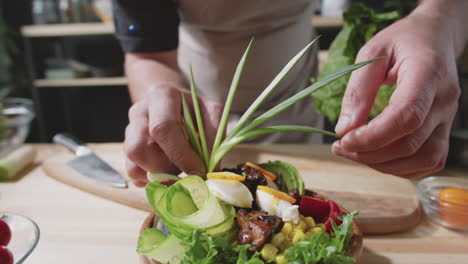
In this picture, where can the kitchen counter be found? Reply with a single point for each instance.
(77, 227)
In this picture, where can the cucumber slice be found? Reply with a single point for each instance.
(181, 202)
(225, 226)
(288, 175)
(175, 227)
(209, 211)
(154, 244)
(188, 205)
(161, 177)
(154, 192)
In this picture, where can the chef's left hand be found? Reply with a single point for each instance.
(410, 138)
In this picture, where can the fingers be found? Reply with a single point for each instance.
(431, 157)
(137, 174)
(404, 147)
(406, 112)
(140, 149)
(362, 88)
(165, 128)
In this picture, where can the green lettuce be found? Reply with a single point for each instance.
(319, 248)
(322, 248)
(361, 24)
(205, 249)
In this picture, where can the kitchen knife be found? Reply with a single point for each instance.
(88, 163)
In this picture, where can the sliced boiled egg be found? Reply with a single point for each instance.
(231, 191)
(276, 206)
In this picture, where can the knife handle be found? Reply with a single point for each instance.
(70, 142)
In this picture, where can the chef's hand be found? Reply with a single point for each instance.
(155, 139)
(410, 138)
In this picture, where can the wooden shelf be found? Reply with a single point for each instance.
(108, 81)
(85, 29)
(62, 30)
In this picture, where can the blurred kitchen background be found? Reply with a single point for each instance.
(63, 55)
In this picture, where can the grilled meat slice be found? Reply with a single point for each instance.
(256, 228)
(253, 178)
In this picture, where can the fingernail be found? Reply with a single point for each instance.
(342, 125)
(349, 141)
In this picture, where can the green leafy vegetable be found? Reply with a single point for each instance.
(244, 131)
(361, 24)
(323, 248)
(319, 248)
(213, 250)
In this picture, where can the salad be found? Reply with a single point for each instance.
(254, 213)
(242, 215)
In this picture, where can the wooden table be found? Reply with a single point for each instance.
(77, 227)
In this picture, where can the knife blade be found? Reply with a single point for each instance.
(87, 163)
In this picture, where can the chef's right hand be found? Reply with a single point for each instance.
(155, 139)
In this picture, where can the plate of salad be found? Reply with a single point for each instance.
(253, 213)
(245, 215)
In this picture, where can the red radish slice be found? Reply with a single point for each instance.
(314, 207)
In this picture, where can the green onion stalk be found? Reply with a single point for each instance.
(247, 128)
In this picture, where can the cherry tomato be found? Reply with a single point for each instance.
(6, 257)
(5, 233)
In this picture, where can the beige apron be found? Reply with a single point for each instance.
(213, 36)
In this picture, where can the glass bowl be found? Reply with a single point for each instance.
(17, 113)
(24, 236)
(448, 214)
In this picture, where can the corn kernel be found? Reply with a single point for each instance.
(302, 225)
(285, 245)
(280, 259)
(316, 230)
(269, 252)
(287, 228)
(310, 221)
(298, 236)
(278, 239)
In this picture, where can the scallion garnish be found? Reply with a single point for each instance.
(244, 130)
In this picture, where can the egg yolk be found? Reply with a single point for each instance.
(454, 206)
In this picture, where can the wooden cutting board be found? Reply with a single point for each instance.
(386, 203)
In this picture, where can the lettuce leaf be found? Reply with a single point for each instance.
(213, 250)
(361, 24)
(321, 248)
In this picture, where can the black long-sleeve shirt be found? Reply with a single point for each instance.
(146, 25)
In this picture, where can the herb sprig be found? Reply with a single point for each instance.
(244, 129)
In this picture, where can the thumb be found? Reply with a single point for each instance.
(363, 87)
(166, 129)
